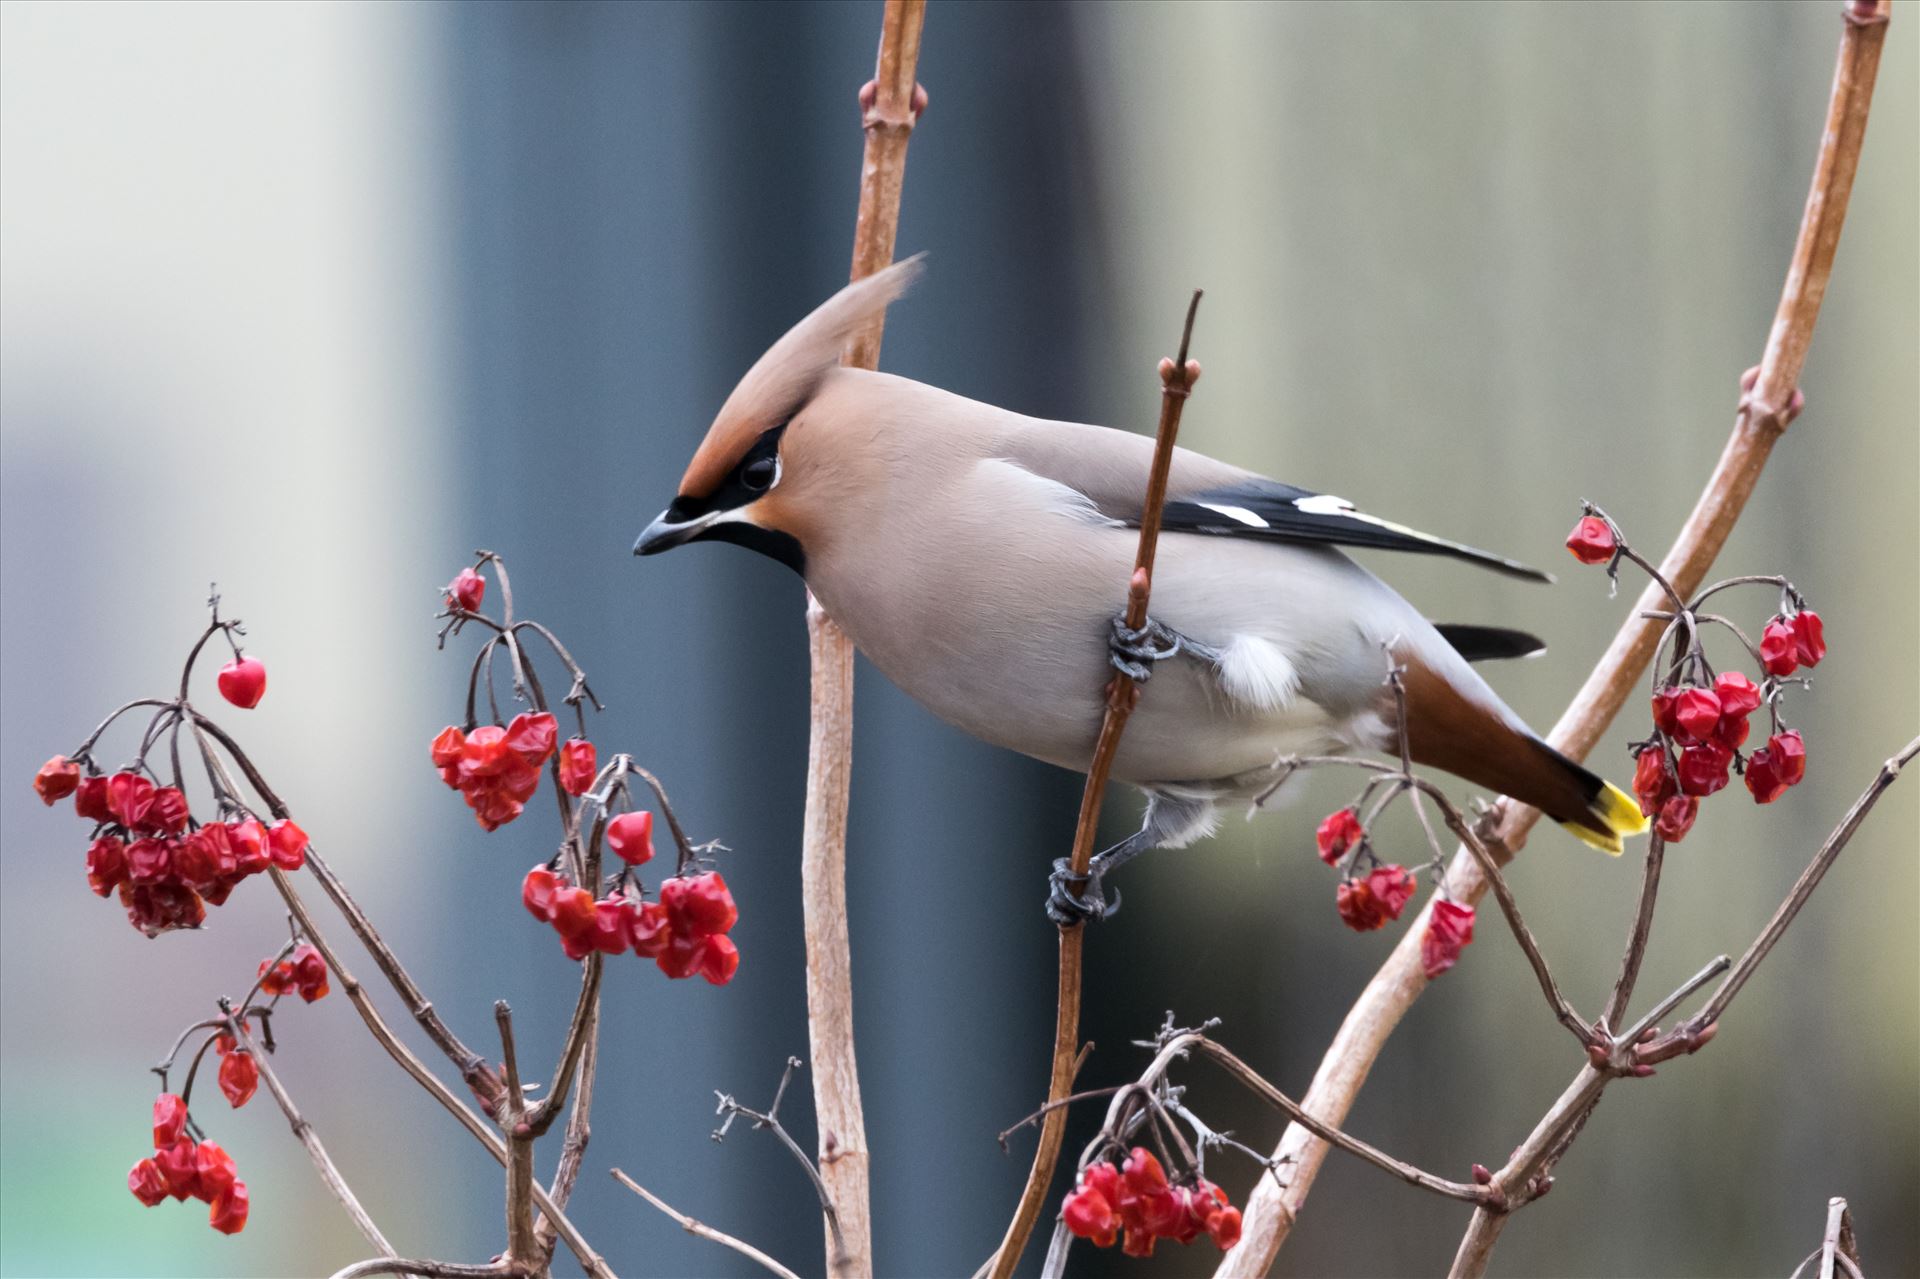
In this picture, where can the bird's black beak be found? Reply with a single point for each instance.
(667, 532)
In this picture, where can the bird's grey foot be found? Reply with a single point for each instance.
(1133, 652)
(1064, 908)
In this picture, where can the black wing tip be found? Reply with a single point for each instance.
(1489, 643)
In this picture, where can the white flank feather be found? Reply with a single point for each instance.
(1255, 673)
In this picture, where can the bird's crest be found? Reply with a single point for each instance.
(784, 379)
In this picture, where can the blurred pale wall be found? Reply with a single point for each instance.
(313, 299)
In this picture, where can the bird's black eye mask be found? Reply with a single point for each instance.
(756, 474)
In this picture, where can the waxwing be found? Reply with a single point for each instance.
(979, 558)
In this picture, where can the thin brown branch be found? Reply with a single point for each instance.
(693, 1227)
(1177, 377)
(888, 119)
(428, 1268)
(303, 1131)
(573, 1143)
(522, 1248)
(1763, 416)
(770, 1120)
(1638, 936)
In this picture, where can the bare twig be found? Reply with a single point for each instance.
(1638, 936)
(705, 1231)
(303, 1131)
(431, 1269)
(888, 118)
(573, 1143)
(1762, 418)
(1177, 377)
(522, 1248)
(770, 1120)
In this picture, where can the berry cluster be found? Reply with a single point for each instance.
(496, 768)
(684, 932)
(1134, 1202)
(184, 1168)
(166, 867)
(1377, 897)
(302, 972)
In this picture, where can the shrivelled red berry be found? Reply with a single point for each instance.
(309, 972)
(239, 1076)
(58, 778)
(1653, 781)
(578, 765)
(1591, 540)
(573, 913)
(106, 864)
(447, 745)
(1367, 904)
(168, 811)
(214, 1171)
(1337, 835)
(650, 931)
(1676, 817)
(1142, 1172)
(630, 836)
(287, 845)
(1781, 763)
(228, 1214)
(248, 839)
(1703, 768)
(243, 681)
(1779, 647)
(90, 799)
(169, 1119)
(1738, 695)
(699, 905)
(275, 977)
(682, 956)
(147, 1182)
(538, 890)
(179, 1167)
(129, 796)
(1449, 930)
(719, 959)
(1088, 1215)
(1809, 637)
(1698, 712)
(1732, 730)
(467, 590)
(612, 925)
(149, 861)
(532, 736)
(1224, 1227)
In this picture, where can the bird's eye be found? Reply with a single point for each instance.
(759, 474)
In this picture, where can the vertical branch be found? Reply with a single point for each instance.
(522, 1245)
(1764, 412)
(1177, 377)
(888, 117)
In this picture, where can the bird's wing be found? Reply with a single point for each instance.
(1209, 497)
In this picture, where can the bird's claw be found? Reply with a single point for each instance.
(1065, 908)
(1132, 652)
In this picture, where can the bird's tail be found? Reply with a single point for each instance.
(1610, 813)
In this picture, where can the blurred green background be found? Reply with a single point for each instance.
(313, 299)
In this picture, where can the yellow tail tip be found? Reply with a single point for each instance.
(1621, 815)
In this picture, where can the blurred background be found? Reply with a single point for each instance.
(311, 300)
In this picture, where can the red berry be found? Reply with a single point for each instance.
(106, 864)
(239, 1076)
(129, 796)
(1791, 756)
(229, 1212)
(90, 800)
(1652, 780)
(1698, 713)
(630, 836)
(1703, 768)
(1142, 1173)
(243, 681)
(719, 959)
(309, 972)
(1367, 904)
(447, 747)
(287, 845)
(1781, 763)
(649, 930)
(1676, 818)
(577, 766)
(1224, 1226)
(1779, 647)
(1738, 695)
(58, 778)
(1338, 834)
(147, 1182)
(699, 905)
(537, 893)
(1732, 730)
(573, 913)
(1592, 540)
(169, 1119)
(249, 842)
(467, 590)
(532, 736)
(168, 811)
(1449, 930)
(179, 1167)
(149, 861)
(275, 978)
(1088, 1215)
(214, 1172)
(1809, 640)
(612, 925)
(682, 955)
